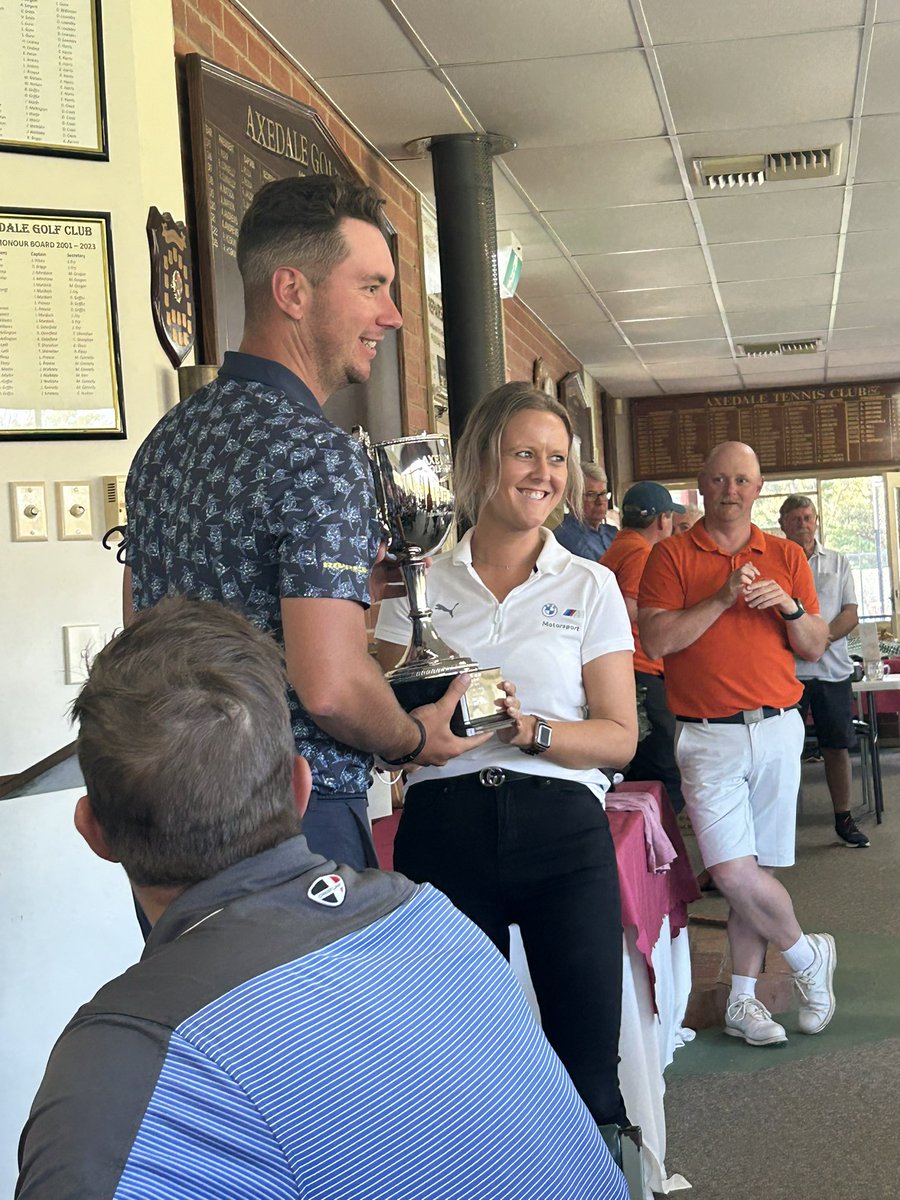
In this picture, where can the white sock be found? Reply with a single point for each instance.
(742, 985)
(799, 956)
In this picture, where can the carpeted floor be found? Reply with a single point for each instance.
(818, 1119)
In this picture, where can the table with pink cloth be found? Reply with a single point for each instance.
(656, 975)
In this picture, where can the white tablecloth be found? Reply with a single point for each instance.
(647, 1039)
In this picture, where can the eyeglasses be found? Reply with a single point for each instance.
(593, 497)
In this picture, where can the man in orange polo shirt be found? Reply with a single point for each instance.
(727, 607)
(648, 511)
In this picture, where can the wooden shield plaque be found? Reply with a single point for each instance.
(171, 287)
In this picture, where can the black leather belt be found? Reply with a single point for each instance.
(749, 717)
(494, 777)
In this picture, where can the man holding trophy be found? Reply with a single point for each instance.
(247, 494)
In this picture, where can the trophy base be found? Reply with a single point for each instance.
(476, 712)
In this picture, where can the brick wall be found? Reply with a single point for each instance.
(218, 30)
(527, 337)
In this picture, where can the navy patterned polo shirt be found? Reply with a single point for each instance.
(244, 493)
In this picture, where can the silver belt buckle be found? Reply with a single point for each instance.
(752, 715)
(492, 777)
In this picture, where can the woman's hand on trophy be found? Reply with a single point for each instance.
(386, 578)
(513, 735)
(441, 743)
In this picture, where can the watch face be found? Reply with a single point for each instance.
(542, 736)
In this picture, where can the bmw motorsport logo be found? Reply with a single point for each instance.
(549, 610)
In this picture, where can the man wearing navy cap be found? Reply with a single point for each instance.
(648, 512)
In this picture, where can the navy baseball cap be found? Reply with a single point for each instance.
(647, 499)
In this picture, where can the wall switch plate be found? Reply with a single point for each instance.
(73, 508)
(28, 505)
(81, 643)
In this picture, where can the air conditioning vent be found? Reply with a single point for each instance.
(767, 349)
(781, 167)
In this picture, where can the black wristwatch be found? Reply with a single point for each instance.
(797, 613)
(543, 735)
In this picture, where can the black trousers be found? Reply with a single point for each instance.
(537, 853)
(655, 755)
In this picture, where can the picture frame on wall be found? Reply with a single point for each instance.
(542, 379)
(53, 94)
(60, 363)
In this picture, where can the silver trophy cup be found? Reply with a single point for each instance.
(414, 484)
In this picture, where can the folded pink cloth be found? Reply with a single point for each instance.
(660, 851)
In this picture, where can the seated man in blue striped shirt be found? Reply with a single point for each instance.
(293, 1029)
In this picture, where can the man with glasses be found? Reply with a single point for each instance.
(593, 536)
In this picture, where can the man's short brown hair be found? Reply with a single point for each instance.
(185, 743)
(296, 222)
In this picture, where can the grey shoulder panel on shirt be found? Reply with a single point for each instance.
(105, 1066)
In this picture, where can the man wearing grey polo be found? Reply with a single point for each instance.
(826, 683)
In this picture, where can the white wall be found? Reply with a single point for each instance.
(44, 586)
(67, 926)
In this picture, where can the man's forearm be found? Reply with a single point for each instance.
(360, 710)
(663, 632)
(844, 623)
(808, 636)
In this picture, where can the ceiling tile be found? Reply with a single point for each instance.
(786, 80)
(875, 206)
(762, 215)
(660, 302)
(701, 368)
(531, 235)
(863, 286)
(777, 293)
(591, 98)
(721, 20)
(874, 335)
(508, 200)
(605, 174)
(395, 107)
(674, 329)
(785, 365)
(671, 352)
(863, 356)
(418, 172)
(634, 227)
(549, 277)
(864, 313)
(879, 149)
(473, 31)
(764, 379)
(780, 322)
(645, 269)
(872, 250)
(874, 371)
(784, 259)
(882, 82)
(559, 311)
(625, 389)
(592, 341)
(689, 385)
(328, 38)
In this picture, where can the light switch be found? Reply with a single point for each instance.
(28, 504)
(73, 507)
(81, 644)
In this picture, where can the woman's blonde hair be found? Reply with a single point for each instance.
(476, 458)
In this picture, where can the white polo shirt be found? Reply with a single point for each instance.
(834, 587)
(568, 612)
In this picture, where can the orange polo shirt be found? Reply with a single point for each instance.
(744, 660)
(626, 558)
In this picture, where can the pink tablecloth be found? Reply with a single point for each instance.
(648, 898)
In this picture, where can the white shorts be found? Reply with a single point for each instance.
(740, 785)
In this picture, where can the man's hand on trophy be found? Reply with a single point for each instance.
(442, 744)
(386, 578)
